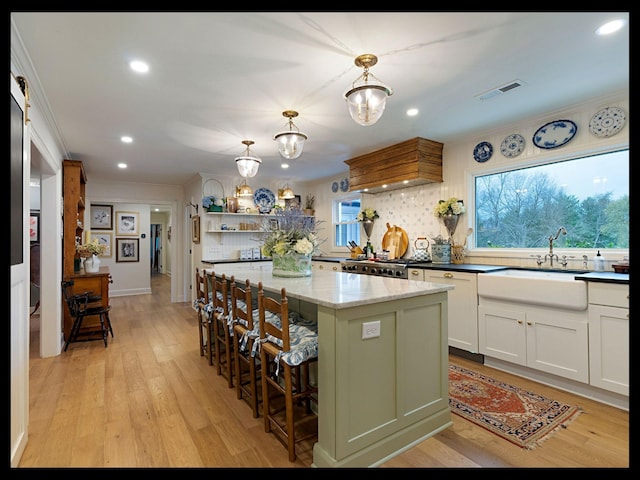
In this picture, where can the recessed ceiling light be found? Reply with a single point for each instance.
(138, 66)
(610, 27)
(384, 185)
(412, 112)
(126, 139)
(284, 165)
(122, 165)
(405, 181)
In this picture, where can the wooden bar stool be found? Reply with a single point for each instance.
(81, 306)
(204, 319)
(286, 351)
(247, 366)
(220, 317)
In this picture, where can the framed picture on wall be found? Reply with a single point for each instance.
(34, 227)
(101, 217)
(127, 250)
(195, 229)
(127, 223)
(104, 238)
(294, 202)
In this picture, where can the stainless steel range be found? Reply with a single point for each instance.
(384, 268)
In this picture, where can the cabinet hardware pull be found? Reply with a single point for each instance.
(448, 275)
(414, 272)
(529, 323)
(520, 322)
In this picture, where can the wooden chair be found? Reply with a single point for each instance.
(247, 366)
(223, 346)
(204, 319)
(287, 350)
(81, 306)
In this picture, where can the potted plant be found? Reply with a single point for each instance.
(309, 202)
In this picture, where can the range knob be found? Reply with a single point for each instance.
(373, 271)
(364, 269)
(398, 273)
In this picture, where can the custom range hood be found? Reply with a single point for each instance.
(414, 162)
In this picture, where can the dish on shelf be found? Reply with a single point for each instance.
(334, 187)
(512, 145)
(607, 122)
(555, 134)
(264, 199)
(482, 152)
(344, 185)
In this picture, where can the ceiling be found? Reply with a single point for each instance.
(218, 78)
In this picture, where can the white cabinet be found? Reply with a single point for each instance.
(326, 266)
(551, 340)
(462, 305)
(609, 336)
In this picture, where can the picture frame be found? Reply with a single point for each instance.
(127, 250)
(295, 202)
(195, 229)
(105, 238)
(34, 227)
(232, 204)
(127, 223)
(101, 217)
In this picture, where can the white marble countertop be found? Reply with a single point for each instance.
(332, 289)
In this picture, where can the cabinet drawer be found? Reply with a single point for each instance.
(614, 295)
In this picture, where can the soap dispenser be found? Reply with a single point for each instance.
(598, 262)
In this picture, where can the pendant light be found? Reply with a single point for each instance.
(287, 193)
(367, 99)
(248, 164)
(291, 142)
(244, 190)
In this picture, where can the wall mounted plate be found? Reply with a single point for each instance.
(482, 152)
(512, 145)
(334, 187)
(607, 122)
(555, 134)
(344, 185)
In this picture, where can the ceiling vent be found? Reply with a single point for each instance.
(500, 90)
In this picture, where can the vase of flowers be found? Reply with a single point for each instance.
(367, 217)
(440, 250)
(449, 211)
(289, 238)
(91, 253)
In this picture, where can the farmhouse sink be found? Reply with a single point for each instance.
(556, 289)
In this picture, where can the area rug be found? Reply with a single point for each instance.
(521, 417)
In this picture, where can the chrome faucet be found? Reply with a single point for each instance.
(550, 255)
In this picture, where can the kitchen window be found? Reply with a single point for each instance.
(345, 225)
(589, 196)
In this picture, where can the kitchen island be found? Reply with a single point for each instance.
(377, 396)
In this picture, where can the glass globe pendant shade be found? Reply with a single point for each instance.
(291, 142)
(248, 164)
(367, 99)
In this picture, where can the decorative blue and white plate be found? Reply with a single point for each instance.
(555, 134)
(512, 145)
(344, 185)
(483, 152)
(334, 187)
(607, 122)
(264, 199)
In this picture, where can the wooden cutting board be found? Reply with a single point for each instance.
(395, 238)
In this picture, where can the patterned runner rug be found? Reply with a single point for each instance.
(521, 417)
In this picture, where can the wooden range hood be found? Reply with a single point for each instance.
(414, 162)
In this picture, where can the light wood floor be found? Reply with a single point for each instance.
(150, 400)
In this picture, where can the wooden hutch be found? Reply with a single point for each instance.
(73, 191)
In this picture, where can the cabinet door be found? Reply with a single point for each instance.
(502, 333)
(609, 348)
(558, 344)
(462, 305)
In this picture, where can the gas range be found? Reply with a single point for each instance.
(384, 268)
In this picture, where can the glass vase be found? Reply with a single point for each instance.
(291, 265)
(451, 223)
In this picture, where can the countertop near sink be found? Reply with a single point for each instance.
(604, 277)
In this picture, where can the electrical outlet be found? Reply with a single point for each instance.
(371, 329)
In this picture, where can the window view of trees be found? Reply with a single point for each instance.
(588, 196)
